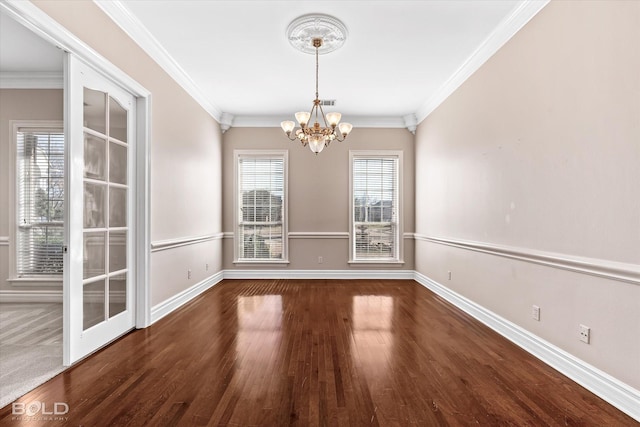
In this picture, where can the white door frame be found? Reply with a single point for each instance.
(42, 24)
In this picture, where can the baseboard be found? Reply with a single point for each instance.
(31, 296)
(176, 301)
(617, 393)
(319, 274)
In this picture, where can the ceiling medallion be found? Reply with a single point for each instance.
(304, 29)
(312, 30)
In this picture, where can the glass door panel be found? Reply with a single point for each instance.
(106, 210)
(99, 272)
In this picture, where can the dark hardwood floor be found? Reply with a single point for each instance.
(317, 352)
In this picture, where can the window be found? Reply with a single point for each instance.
(375, 206)
(261, 206)
(40, 201)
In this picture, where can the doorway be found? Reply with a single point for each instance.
(118, 294)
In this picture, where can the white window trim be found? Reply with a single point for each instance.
(14, 125)
(237, 154)
(353, 154)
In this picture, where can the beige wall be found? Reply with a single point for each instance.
(318, 192)
(540, 151)
(185, 152)
(18, 104)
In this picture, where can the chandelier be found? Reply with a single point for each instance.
(325, 128)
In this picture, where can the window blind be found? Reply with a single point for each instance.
(260, 233)
(375, 208)
(40, 175)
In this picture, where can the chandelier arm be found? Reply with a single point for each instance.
(311, 133)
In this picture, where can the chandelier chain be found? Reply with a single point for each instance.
(317, 68)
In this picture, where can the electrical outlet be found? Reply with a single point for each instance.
(535, 312)
(320, 260)
(585, 334)
(449, 275)
(188, 274)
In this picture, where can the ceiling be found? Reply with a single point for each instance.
(21, 50)
(400, 59)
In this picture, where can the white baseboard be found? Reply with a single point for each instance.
(31, 296)
(319, 274)
(617, 393)
(176, 301)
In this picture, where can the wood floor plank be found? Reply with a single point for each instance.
(317, 353)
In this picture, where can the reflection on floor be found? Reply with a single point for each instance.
(30, 347)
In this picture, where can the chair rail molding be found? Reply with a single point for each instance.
(318, 235)
(613, 270)
(163, 245)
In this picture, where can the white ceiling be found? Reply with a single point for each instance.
(401, 57)
(21, 50)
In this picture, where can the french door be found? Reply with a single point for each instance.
(99, 274)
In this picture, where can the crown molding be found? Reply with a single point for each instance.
(132, 26)
(509, 26)
(356, 121)
(31, 80)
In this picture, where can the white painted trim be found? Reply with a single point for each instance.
(410, 122)
(15, 125)
(143, 211)
(265, 154)
(132, 26)
(318, 234)
(509, 26)
(617, 393)
(356, 121)
(50, 295)
(612, 270)
(319, 274)
(383, 154)
(4, 240)
(31, 80)
(168, 306)
(162, 245)
(42, 24)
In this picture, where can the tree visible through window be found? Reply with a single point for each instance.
(375, 207)
(40, 216)
(261, 202)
